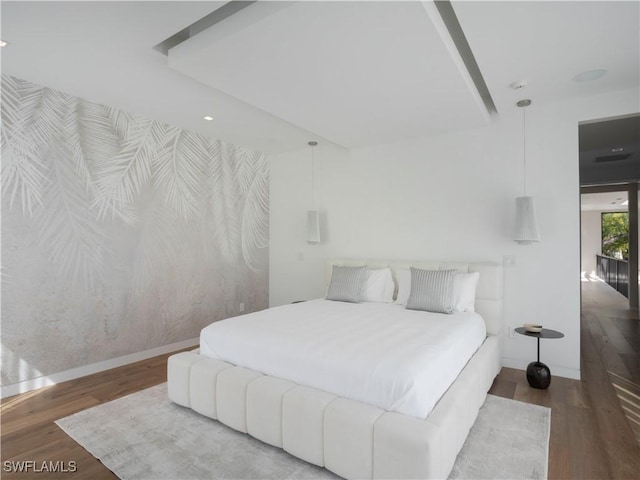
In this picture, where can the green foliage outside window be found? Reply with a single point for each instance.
(615, 235)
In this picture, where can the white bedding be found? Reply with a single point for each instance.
(381, 354)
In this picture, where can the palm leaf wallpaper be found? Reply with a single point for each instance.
(119, 233)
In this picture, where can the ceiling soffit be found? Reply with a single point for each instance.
(356, 73)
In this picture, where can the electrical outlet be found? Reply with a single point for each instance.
(241, 308)
(509, 260)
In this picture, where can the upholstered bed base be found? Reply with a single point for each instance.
(350, 438)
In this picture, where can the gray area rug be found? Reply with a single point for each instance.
(144, 436)
(510, 440)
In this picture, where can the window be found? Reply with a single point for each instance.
(615, 235)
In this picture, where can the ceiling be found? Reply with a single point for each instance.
(610, 151)
(103, 52)
(547, 43)
(355, 73)
(604, 202)
(277, 74)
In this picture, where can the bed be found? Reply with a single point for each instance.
(363, 412)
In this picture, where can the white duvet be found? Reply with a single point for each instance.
(381, 354)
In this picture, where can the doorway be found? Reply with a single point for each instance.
(605, 238)
(609, 229)
(609, 179)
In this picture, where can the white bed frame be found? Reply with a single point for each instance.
(350, 438)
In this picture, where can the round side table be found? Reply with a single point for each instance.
(538, 374)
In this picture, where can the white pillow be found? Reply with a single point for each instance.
(378, 286)
(464, 291)
(404, 286)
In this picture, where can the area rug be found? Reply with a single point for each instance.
(144, 436)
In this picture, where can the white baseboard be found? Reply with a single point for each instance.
(556, 371)
(47, 380)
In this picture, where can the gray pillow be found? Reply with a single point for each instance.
(346, 284)
(431, 290)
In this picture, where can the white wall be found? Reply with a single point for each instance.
(450, 197)
(591, 227)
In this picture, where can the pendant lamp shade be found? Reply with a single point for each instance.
(313, 227)
(526, 221)
(526, 231)
(313, 216)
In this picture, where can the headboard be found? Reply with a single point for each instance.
(488, 294)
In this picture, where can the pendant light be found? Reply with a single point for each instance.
(526, 231)
(313, 217)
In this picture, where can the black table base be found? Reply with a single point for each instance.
(538, 375)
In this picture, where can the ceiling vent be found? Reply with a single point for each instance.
(613, 158)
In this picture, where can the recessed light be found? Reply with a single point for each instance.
(208, 118)
(590, 75)
(3, 43)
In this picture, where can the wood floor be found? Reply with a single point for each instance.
(591, 436)
(28, 431)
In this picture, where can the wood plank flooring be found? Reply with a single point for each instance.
(28, 431)
(591, 436)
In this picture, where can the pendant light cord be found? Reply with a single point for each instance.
(524, 150)
(313, 144)
(313, 183)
